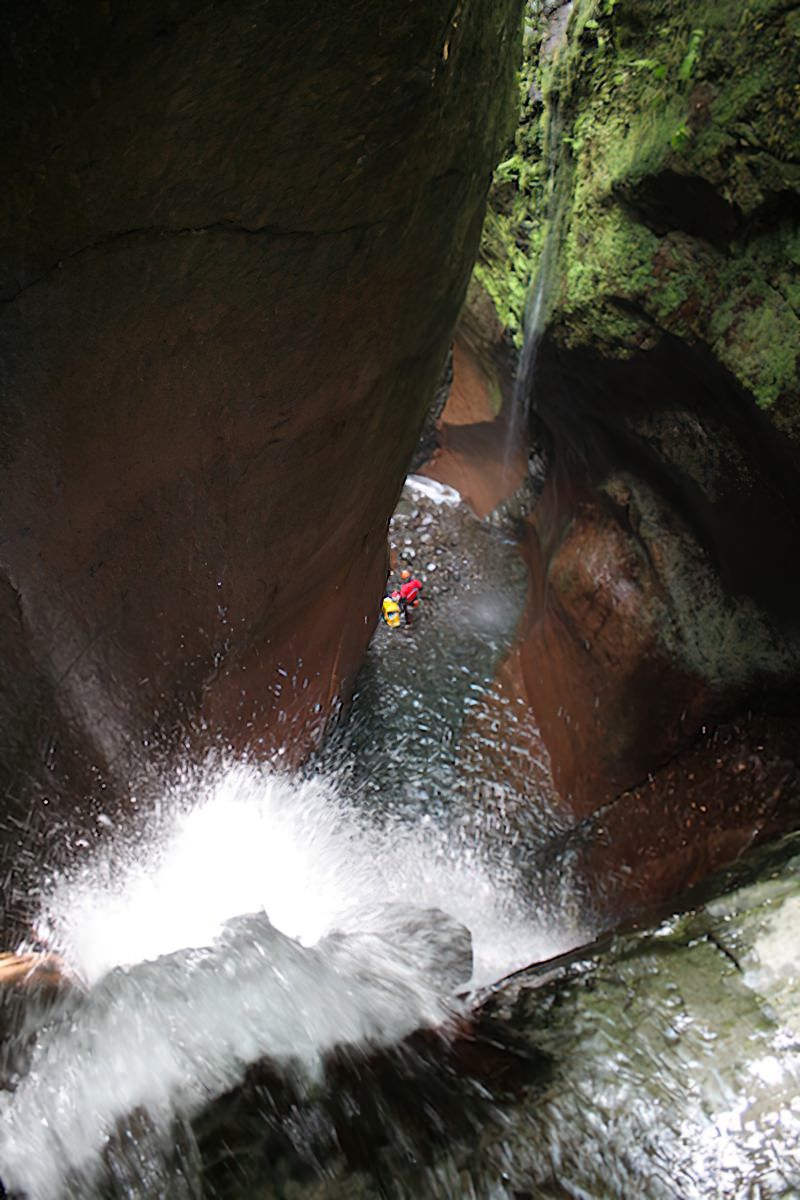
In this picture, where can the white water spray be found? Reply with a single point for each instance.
(264, 919)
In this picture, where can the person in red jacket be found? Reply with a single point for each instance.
(409, 591)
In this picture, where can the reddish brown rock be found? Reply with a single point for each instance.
(661, 571)
(609, 697)
(737, 786)
(659, 617)
(661, 566)
(32, 970)
(665, 573)
(237, 241)
(480, 450)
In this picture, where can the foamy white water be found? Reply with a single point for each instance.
(439, 493)
(248, 840)
(264, 918)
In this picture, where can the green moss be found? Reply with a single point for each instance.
(689, 62)
(615, 331)
(610, 254)
(512, 233)
(503, 271)
(671, 295)
(757, 335)
(642, 87)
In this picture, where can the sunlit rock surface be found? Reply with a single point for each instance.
(235, 244)
(675, 1061)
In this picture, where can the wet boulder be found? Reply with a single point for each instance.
(429, 940)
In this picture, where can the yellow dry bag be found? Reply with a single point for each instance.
(391, 612)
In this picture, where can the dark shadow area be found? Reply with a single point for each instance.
(669, 201)
(744, 512)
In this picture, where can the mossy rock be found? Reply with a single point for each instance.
(674, 203)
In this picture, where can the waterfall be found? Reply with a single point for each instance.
(539, 292)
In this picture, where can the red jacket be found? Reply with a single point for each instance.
(410, 590)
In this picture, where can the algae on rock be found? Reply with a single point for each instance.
(670, 131)
(681, 154)
(661, 216)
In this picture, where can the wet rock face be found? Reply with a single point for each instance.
(680, 1026)
(665, 584)
(666, 581)
(738, 785)
(664, 575)
(235, 246)
(477, 448)
(668, 586)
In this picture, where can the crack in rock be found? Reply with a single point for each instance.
(166, 232)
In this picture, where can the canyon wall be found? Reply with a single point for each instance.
(660, 221)
(235, 242)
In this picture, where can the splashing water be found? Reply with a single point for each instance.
(266, 919)
(249, 841)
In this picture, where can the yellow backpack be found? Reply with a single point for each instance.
(391, 612)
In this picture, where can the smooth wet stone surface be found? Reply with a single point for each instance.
(676, 1065)
(668, 1067)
